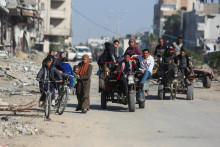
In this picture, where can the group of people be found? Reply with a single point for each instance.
(174, 53)
(54, 69)
(127, 64)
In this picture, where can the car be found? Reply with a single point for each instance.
(3, 51)
(80, 51)
(71, 53)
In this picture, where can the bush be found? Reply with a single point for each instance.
(195, 58)
(214, 60)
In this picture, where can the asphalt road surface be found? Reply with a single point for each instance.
(163, 123)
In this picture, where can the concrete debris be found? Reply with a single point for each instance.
(10, 129)
(24, 93)
(20, 72)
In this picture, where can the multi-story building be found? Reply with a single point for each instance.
(202, 28)
(57, 16)
(166, 8)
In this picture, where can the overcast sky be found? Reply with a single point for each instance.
(94, 18)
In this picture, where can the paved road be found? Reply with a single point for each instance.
(161, 123)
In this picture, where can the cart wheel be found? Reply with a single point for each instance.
(206, 82)
(160, 92)
(131, 102)
(103, 100)
(190, 92)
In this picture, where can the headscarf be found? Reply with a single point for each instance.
(83, 66)
(133, 50)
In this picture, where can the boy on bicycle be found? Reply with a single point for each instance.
(48, 72)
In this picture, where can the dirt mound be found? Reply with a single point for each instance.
(21, 54)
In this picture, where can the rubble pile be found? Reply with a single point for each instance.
(20, 72)
(12, 129)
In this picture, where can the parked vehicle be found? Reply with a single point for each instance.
(71, 53)
(80, 51)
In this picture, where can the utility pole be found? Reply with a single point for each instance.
(181, 21)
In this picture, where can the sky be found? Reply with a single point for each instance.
(96, 18)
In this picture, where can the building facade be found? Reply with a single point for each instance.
(165, 8)
(202, 28)
(57, 16)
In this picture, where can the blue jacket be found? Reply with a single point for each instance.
(66, 68)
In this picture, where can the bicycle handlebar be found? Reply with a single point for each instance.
(48, 81)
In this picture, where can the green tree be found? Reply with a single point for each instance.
(214, 61)
(172, 26)
(151, 41)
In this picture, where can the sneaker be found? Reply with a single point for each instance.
(53, 103)
(84, 111)
(141, 99)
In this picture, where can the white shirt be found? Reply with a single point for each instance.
(145, 64)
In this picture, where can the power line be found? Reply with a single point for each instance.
(91, 21)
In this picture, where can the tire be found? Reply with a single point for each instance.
(63, 102)
(160, 92)
(131, 102)
(206, 82)
(103, 100)
(142, 104)
(190, 92)
(48, 106)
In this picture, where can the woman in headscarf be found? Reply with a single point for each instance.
(83, 84)
(133, 49)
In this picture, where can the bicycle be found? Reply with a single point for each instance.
(63, 96)
(47, 101)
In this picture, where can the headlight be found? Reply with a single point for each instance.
(131, 79)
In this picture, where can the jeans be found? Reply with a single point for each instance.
(143, 77)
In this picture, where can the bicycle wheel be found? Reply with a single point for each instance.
(63, 101)
(48, 105)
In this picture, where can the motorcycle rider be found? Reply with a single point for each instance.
(146, 68)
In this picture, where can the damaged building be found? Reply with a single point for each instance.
(22, 28)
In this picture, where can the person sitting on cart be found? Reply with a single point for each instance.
(124, 67)
(161, 48)
(48, 72)
(168, 58)
(184, 64)
(67, 69)
(146, 68)
(109, 54)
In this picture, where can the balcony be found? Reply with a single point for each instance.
(58, 14)
(59, 31)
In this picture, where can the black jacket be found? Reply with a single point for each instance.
(160, 49)
(179, 57)
(53, 73)
(109, 53)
